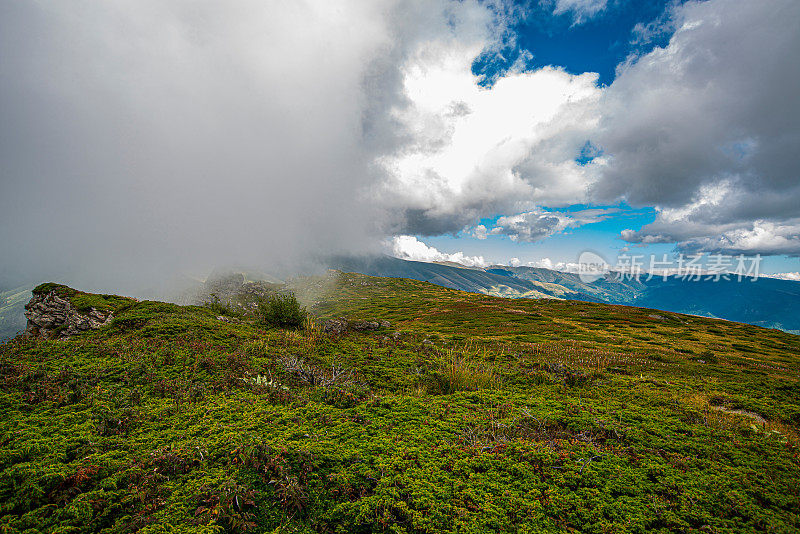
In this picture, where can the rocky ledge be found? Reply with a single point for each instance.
(52, 315)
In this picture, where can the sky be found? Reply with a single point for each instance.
(141, 138)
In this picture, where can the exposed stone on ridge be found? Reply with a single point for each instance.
(51, 315)
(342, 325)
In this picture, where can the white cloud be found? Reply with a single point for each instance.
(795, 276)
(474, 150)
(408, 247)
(538, 224)
(531, 226)
(759, 237)
(479, 232)
(582, 10)
(547, 263)
(704, 129)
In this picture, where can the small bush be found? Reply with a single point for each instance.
(282, 310)
(457, 372)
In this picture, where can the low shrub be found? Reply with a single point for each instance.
(462, 372)
(283, 311)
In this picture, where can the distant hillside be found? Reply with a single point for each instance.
(497, 284)
(766, 302)
(12, 310)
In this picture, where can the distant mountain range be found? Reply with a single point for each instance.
(766, 302)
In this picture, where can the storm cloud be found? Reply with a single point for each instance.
(140, 138)
(706, 130)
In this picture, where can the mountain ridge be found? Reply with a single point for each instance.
(766, 302)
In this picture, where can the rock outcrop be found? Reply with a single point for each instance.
(53, 316)
(342, 325)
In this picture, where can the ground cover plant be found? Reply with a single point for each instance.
(469, 414)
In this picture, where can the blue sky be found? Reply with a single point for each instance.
(598, 44)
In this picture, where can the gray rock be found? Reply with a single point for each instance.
(342, 325)
(52, 316)
(335, 326)
(365, 325)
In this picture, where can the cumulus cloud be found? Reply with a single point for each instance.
(705, 129)
(702, 129)
(539, 224)
(760, 237)
(480, 232)
(532, 226)
(408, 247)
(475, 151)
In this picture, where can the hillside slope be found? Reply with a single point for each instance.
(489, 282)
(766, 302)
(12, 310)
(471, 413)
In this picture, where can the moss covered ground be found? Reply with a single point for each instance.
(469, 414)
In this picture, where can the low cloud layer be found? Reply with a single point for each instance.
(143, 138)
(408, 247)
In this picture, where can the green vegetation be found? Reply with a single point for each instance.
(282, 310)
(85, 301)
(472, 414)
(215, 304)
(461, 370)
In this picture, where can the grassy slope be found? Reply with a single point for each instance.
(593, 417)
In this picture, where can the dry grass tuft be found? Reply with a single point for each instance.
(464, 370)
